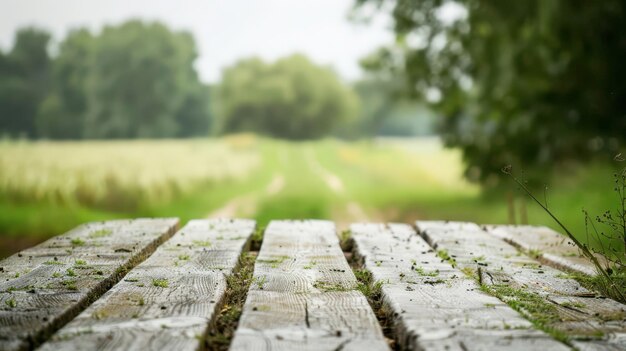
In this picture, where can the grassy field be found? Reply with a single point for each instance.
(46, 188)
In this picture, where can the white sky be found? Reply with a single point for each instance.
(225, 30)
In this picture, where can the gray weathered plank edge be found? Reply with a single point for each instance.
(434, 306)
(583, 314)
(168, 301)
(54, 281)
(303, 296)
(552, 248)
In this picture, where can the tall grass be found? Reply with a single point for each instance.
(601, 246)
(118, 175)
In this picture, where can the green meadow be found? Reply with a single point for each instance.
(47, 188)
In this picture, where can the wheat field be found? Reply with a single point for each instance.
(119, 175)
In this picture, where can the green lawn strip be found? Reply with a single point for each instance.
(387, 180)
(305, 195)
(384, 180)
(24, 225)
(43, 219)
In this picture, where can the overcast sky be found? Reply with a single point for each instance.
(225, 30)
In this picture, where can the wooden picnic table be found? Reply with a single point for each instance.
(143, 284)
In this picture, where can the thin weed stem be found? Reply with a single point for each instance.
(611, 286)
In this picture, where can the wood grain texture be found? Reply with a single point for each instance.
(168, 301)
(592, 321)
(44, 287)
(436, 307)
(303, 296)
(549, 247)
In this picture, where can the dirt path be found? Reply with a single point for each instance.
(276, 185)
(354, 211)
(231, 208)
(245, 205)
(332, 181)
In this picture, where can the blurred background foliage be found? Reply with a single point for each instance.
(137, 80)
(134, 80)
(539, 84)
(525, 82)
(291, 98)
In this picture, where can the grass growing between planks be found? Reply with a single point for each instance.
(222, 331)
(530, 305)
(534, 307)
(600, 284)
(257, 238)
(373, 292)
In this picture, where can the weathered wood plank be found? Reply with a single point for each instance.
(592, 322)
(436, 306)
(168, 301)
(304, 296)
(44, 287)
(549, 247)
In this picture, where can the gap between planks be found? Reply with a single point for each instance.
(549, 247)
(590, 321)
(107, 268)
(435, 306)
(169, 300)
(44, 287)
(304, 295)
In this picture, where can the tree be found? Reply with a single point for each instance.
(24, 78)
(133, 80)
(62, 114)
(528, 82)
(291, 98)
(140, 84)
(192, 116)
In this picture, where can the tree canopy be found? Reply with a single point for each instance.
(62, 113)
(132, 80)
(523, 82)
(24, 81)
(291, 98)
(141, 76)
